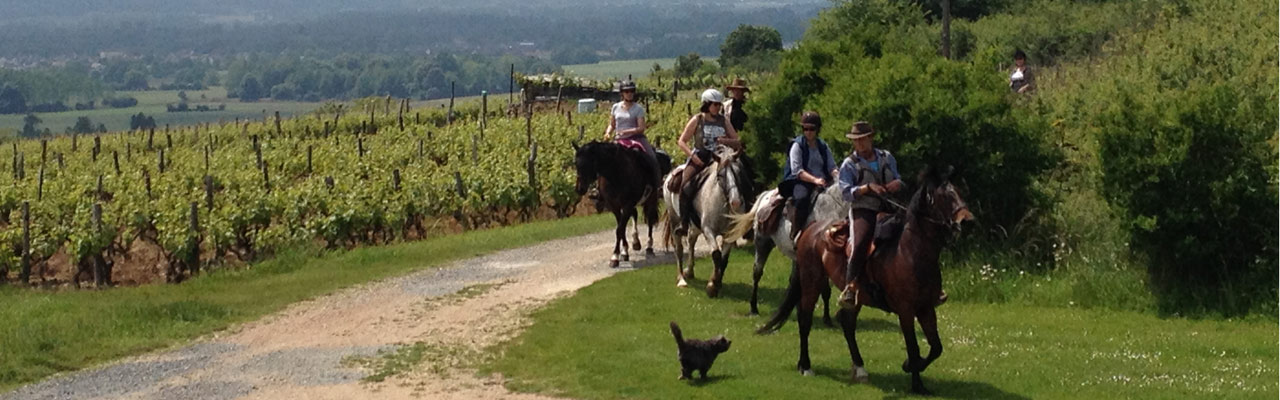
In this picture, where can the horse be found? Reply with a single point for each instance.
(623, 174)
(828, 206)
(906, 268)
(718, 196)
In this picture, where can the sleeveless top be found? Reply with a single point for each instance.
(704, 137)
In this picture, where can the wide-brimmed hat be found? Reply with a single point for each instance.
(739, 83)
(860, 130)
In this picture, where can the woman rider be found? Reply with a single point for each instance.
(704, 133)
(626, 122)
(865, 176)
(809, 169)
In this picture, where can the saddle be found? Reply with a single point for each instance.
(631, 144)
(772, 211)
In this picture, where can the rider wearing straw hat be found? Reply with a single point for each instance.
(737, 99)
(865, 176)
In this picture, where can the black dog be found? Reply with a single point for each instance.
(697, 355)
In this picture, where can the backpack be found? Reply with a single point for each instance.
(789, 180)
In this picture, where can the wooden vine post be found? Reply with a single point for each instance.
(24, 272)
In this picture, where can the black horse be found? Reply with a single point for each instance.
(623, 177)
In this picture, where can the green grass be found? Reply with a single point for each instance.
(618, 69)
(43, 332)
(611, 340)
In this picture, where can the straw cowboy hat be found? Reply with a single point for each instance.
(739, 83)
(860, 130)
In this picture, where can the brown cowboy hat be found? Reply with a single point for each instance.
(860, 130)
(739, 83)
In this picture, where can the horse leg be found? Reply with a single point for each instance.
(718, 260)
(911, 365)
(849, 324)
(626, 216)
(680, 278)
(929, 324)
(649, 251)
(826, 304)
(619, 237)
(764, 246)
(635, 234)
(693, 245)
(804, 315)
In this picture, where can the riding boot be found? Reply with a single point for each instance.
(849, 296)
(800, 217)
(687, 193)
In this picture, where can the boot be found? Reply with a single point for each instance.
(849, 296)
(800, 217)
(688, 191)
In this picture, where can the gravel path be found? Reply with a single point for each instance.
(300, 352)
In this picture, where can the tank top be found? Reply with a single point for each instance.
(708, 131)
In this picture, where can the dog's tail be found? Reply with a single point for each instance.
(675, 331)
(789, 302)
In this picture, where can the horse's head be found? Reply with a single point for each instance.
(584, 161)
(729, 174)
(939, 202)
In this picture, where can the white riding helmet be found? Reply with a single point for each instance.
(713, 96)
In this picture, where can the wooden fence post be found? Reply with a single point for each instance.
(208, 192)
(24, 273)
(100, 275)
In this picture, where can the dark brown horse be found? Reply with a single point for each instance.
(624, 175)
(906, 269)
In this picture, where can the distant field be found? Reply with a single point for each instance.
(618, 69)
(153, 102)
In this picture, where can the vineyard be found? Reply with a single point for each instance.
(143, 206)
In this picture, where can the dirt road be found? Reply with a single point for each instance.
(322, 348)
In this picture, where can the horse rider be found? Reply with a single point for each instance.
(810, 168)
(627, 124)
(705, 132)
(735, 109)
(865, 177)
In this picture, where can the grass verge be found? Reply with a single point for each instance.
(611, 340)
(42, 332)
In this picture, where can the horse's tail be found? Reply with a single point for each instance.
(739, 225)
(669, 222)
(789, 302)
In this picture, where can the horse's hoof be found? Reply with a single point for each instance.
(649, 252)
(712, 290)
(826, 320)
(920, 390)
(807, 372)
(682, 283)
(860, 375)
(626, 257)
(613, 263)
(636, 246)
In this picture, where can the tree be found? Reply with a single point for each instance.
(12, 101)
(29, 123)
(135, 80)
(748, 41)
(182, 96)
(688, 64)
(141, 121)
(250, 90)
(83, 125)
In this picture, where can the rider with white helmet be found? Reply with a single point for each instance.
(702, 135)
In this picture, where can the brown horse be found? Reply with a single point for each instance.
(906, 269)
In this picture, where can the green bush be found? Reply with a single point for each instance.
(1191, 172)
(934, 111)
